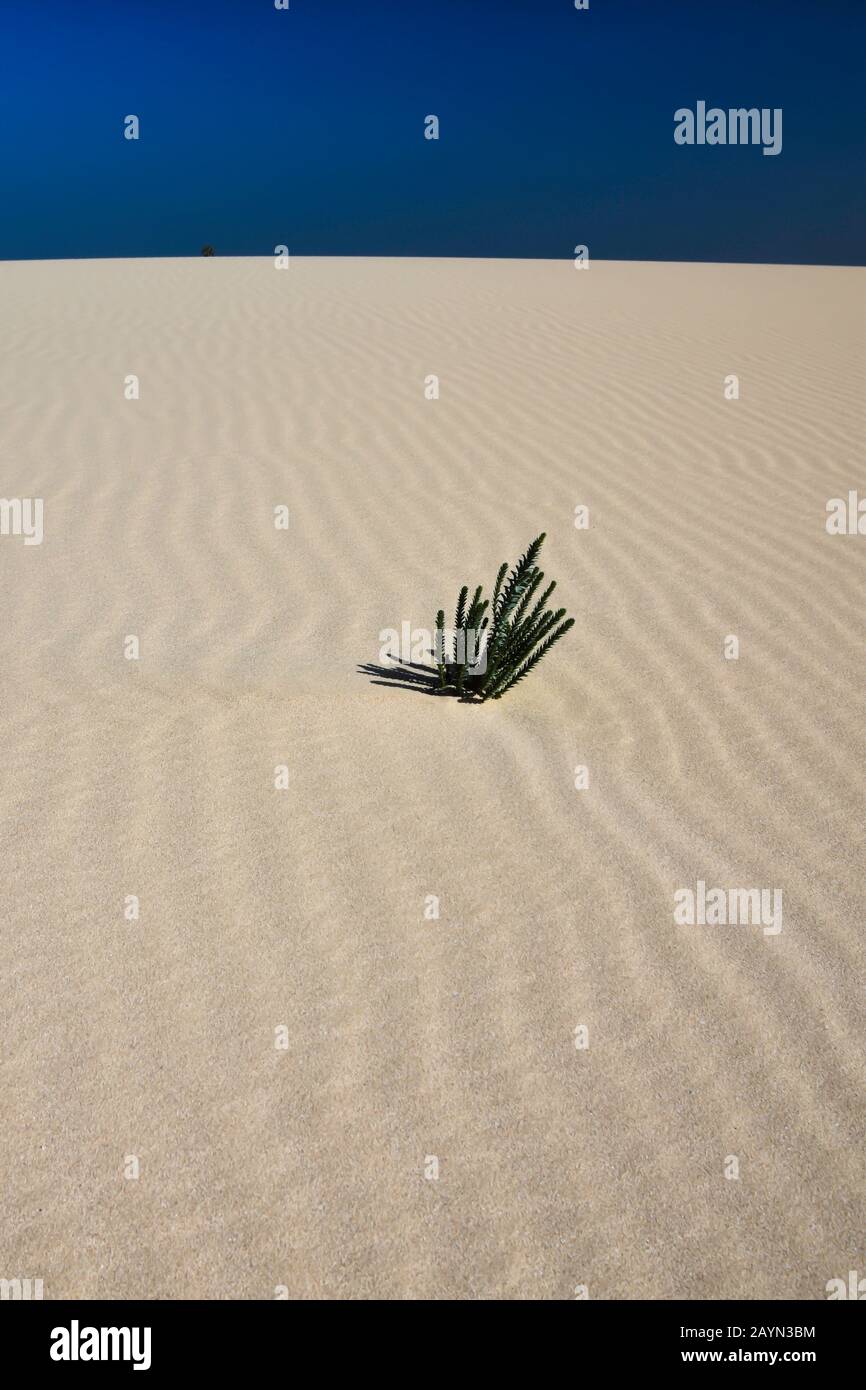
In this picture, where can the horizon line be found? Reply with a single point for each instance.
(411, 256)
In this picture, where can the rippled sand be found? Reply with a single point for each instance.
(408, 1039)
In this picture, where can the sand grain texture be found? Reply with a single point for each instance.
(408, 1038)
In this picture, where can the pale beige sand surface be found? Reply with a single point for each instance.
(408, 1038)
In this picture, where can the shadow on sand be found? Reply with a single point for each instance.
(410, 675)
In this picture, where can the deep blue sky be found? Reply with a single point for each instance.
(306, 127)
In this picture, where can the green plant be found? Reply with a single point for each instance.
(491, 652)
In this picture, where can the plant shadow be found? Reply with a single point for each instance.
(409, 675)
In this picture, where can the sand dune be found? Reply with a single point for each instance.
(408, 1039)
